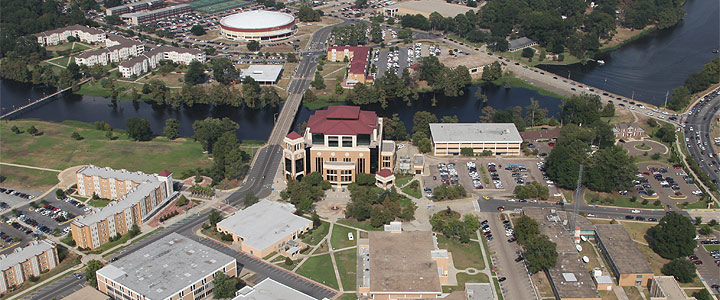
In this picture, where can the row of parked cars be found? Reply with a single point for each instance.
(54, 213)
(472, 171)
(78, 204)
(6, 238)
(492, 168)
(485, 227)
(39, 226)
(448, 173)
(16, 193)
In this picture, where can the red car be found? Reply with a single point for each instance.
(698, 262)
(501, 208)
(551, 144)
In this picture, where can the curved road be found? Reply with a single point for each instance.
(701, 121)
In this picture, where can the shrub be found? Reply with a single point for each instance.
(182, 201)
(288, 261)
(32, 130)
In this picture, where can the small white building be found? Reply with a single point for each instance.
(263, 74)
(499, 138)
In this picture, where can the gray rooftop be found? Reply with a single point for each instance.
(22, 254)
(121, 175)
(263, 73)
(134, 4)
(269, 289)
(152, 12)
(520, 43)
(264, 223)
(622, 249)
(131, 198)
(474, 132)
(429, 6)
(159, 270)
(479, 291)
(670, 288)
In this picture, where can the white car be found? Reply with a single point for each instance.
(635, 211)
(557, 195)
(590, 215)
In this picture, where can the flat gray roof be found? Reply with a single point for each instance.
(265, 223)
(429, 6)
(622, 249)
(22, 254)
(161, 269)
(670, 287)
(479, 291)
(263, 73)
(269, 289)
(520, 43)
(123, 175)
(152, 12)
(474, 133)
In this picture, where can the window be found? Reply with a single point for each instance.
(361, 165)
(347, 159)
(288, 165)
(318, 138)
(639, 276)
(333, 159)
(347, 141)
(333, 141)
(363, 139)
(299, 165)
(331, 175)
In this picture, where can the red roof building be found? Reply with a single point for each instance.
(293, 135)
(359, 57)
(343, 120)
(165, 173)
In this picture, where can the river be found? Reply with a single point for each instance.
(658, 62)
(648, 67)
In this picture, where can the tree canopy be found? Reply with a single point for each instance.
(138, 129)
(673, 237)
(304, 193)
(681, 268)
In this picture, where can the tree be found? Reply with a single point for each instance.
(223, 70)
(90, 272)
(681, 268)
(59, 193)
(32, 130)
(15, 129)
(466, 151)
(666, 133)
(525, 227)
(360, 3)
(421, 122)
(223, 286)
(611, 169)
(182, 201)
(291, 58)
(195, 73)
(76, 136)
(492, 72)
(541, 253)
(318, 83)
(702, 295)
(138, 129)
(673, 237)
(197, 30)
(609, 110)
(208, 131)
(253, 46)
(528, 53)
(307, 14)
(394, 128)
(316, 219)
(172, 128)
(214, 217)
(250, 199)
(705, 229)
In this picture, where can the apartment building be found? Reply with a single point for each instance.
(338, 142)
(58, 36)
(150, 60)
(134, 7)
(142, 17)
(498, 138)
(117, 49)
(173, 267)
(400, 264)
(18, 266)
(358, 56)
(269, 289)
(624, 258)
(138, 196)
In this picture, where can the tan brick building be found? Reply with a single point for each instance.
(174, 267)
(138, 196)
(498, 138)
(402, 265)
(266, 227)
(626, 262)
(18, 266)
(339, 143)
(359, 58)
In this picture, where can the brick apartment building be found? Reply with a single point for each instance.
(358, 56)
(339, 143)
(18, 266)
(173, 267)
(138, 196)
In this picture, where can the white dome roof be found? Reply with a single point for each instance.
(257, 19)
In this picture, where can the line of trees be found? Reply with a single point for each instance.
(252, 95)
(694, 83)
(540, 251)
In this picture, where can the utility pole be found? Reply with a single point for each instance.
(576, 198)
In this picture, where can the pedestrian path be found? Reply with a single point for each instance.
(30, 167)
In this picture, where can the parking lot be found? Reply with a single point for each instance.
(671, 185)
(709, 263)
(398, 60)
(500, 184)
(13, 197)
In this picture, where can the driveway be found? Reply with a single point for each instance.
(635, 148)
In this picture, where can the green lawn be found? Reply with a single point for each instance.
(23, 178)
(347, 268)
(498, 289)
(365, 225)
(712, 247)
(55, 149)
(320, 269)
(513, 81)
(348, 297)
(413, 191)
(402, 180)
(63, 61)
(695, 205)
(464, 255)
(317, 234)
(339, 238)
(643, 147)
(99, 203)
(135, 241)
(619, 201)
(462, 278)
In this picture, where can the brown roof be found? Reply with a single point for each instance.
(621, 249)
(532, 135)
(401, 262)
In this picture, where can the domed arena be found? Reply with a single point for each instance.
(257, 25)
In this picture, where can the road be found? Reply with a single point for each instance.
(598, 211)
(701, 121)
(259, 181)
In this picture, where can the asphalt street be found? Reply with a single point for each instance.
(700, 121)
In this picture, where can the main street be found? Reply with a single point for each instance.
(701, 121)
(259, 181)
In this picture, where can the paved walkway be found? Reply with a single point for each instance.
(30, 167)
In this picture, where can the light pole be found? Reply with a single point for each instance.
(604, 83)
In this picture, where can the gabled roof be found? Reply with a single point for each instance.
(293, 135)
(360, 57)
(343, 120)
(165, 173)
(384, 173)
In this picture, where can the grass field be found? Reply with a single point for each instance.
(27, 179)
(463, 255)
(222, 6)
(55, 149)
(348, 296)
(339, 238)
(317, 234)
(99, 203)
(347, 268)
(712, 247)
(320, 269)
(402, 180)
(63, 61)
(620, 201)
(462, 278)
(413, 191)
(365, 225)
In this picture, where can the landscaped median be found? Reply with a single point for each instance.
(605, 199)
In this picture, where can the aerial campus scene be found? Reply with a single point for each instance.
(359, 149)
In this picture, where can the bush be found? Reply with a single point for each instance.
(76, 136)
(657, 203)
(226, 237)
(645, 202)
(681, 268)
(655, 156)
(182, 201)
(59, 193)
(288, 261)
